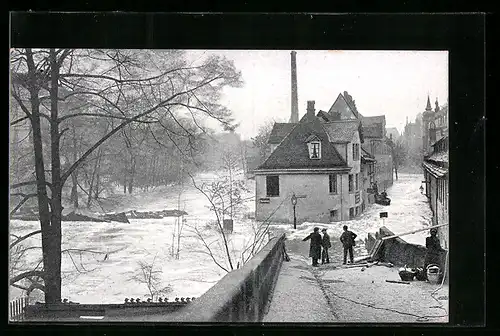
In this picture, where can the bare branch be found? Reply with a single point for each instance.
(102, 115)
(24, 200)
(26, 275)
(15, 122)
(22, 184)
(65, 176)
(20, 239)
(209, 250)
(119, 80)
(91, 251)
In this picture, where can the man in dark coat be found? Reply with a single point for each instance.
(326, 244)
(347, 239)
(432, 255)
(315, 247)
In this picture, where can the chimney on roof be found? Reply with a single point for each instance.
(294, 117)
(310, 108)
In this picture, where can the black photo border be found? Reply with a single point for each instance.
(463, 35)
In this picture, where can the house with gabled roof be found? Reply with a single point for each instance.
(319, 162)
(374, 132)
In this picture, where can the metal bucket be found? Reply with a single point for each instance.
(433, 274)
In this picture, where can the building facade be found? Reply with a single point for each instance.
(435, 166)
(320, 163)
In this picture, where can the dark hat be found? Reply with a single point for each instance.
(323, 230)
(316, 229)
(434, 230)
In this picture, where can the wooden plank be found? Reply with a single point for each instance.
(376, 248)
(398, 282)
(414, 231)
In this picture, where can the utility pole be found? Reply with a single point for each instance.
(294, 203)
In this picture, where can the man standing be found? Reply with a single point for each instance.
(315, 247)
(433, 250)
(347, 239)
(326, 244)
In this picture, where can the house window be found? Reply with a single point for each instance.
(333, 183)
(355, 152)
(314, 150)
(333, 215)
(351, 187)
(357, 180)
(273, 185)
(351, 213)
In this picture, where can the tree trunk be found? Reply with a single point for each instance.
(52, 262)
(131, 177)
(125, 181)
(74, 175)
(92, 178)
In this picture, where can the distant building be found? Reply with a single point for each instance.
(376, 142)
(436, 165)
(392, 132)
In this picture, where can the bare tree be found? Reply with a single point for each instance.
(260, 141)
(148, 275)
(128, 86)
(225, 196)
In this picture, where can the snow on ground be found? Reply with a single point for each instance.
(409, 210)
(92, 278)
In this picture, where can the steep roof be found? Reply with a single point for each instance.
(341, 131)
(368, 121)
(374, 131)
(279, 131)
(293, 152)
(341, 105)
(428, 106)
(434, 170)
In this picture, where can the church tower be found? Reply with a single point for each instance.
(427, 121)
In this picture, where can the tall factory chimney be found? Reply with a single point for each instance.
(294, 117)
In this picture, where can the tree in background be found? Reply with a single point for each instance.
(260, 140)
(113, 89)
(399, 155)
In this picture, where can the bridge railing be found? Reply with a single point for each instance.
(242, 295)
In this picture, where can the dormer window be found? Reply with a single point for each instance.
(314, 150)
(314, 145)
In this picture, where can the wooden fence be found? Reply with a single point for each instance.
(17, 309)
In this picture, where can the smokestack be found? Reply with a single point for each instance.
(294, 117)
(310, 108)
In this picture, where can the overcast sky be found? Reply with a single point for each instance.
(390, 83)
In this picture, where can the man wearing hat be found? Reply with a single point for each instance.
(326, 244)
(433, 249)
(315, 247)
(348, 241)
